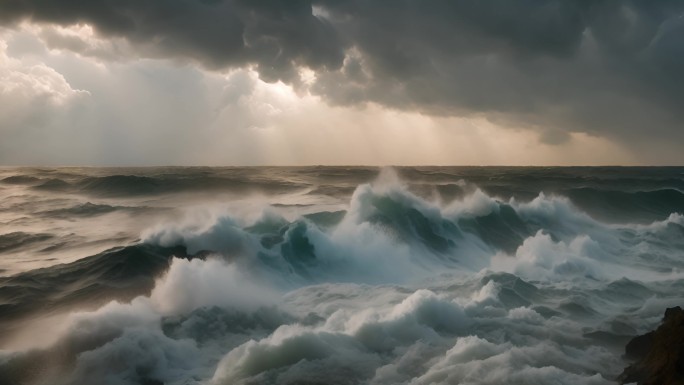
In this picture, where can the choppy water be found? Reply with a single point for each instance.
(329, 275)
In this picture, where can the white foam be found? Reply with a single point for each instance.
(189, 285)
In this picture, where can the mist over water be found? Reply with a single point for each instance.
(333, 275)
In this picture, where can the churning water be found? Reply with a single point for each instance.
(332, 275)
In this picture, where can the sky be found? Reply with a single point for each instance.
(341, 82)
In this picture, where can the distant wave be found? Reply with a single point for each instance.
(621, 206)
(82, 210)
(20, 179)
(53, 184)
(133, 185)
(15, 240)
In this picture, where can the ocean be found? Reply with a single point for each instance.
(334, 275)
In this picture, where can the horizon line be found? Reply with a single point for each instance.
(337, 165)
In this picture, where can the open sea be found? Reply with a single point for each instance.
(333, 275)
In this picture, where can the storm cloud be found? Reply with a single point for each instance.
(606, 68)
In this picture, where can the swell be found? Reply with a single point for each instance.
(21, 179)
(552, 179)
(88, 209)
(18, 239)
(621, 206)
(116, 274)
(141, 185)
(626, 192)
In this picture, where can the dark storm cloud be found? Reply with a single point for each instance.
(275, 36)
(610, 68)
(605, 67)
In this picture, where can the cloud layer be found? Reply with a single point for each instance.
(609, 67)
